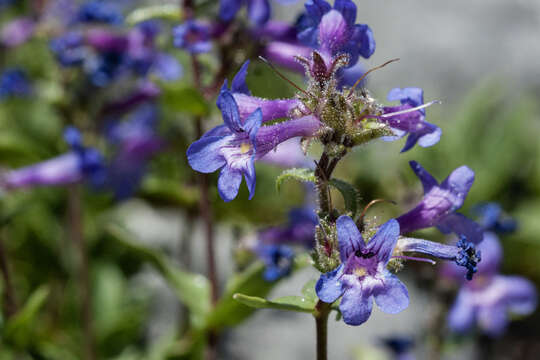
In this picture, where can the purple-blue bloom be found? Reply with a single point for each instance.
(14, 83)
(300, 229)
(99, 11)
(410, 123)
(136, 141)
(258, 11)
(439, 205)
(492, 218)
(234, 146)
(193, 36)
(79, 164)
(362, 277)
(278, 260)
(333, 31)
(17, 32)
(401, 347)
(488, 299)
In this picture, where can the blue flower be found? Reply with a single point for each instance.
(300, 229)
(234, 146)
(14, 83)
(492, 218)
(99, 12)
(81, 163)
(362, 277)
(410, 122)
(401, 347)
(488, 299)
(69, 48)
(333, 31)
(439, 205)
(258, 10)
(278, 260)
(193, 36)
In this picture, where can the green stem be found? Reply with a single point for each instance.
(10, 303)
(322, 310)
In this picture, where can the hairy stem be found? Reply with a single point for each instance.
(77, 236)
(10, 304)
(322, 310)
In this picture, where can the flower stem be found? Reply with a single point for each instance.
(77, 236)
(10, 304)
(322, 310)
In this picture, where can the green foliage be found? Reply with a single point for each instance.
(185, 99)
(350, 194)
(302, 175)
(163, 11)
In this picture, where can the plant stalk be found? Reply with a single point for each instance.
(322, 310)
(10, 303)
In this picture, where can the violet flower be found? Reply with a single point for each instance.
(247, 104)
(300, 229)
(136, 142)
(193, 36)
(488, 299)
(401, 347)
(258, 11)
(492, 218)
(362, 277)
(410, 123)
(333, 31)
(99, 11)
(439, 205)
(278, 260)
(289, 154)
(14, 83)
(235, 146)
(17, 32)
(79, 164)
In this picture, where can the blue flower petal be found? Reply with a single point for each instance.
(229, 183)
(204, 156)
(238, 84)
(428, 181)
(329, 288)
(348, 9)
(459, 182)
(356, 306)
(251, 179)
(384, 241)
(349, 237)
(462, 314)
(229, 110)
(461, 225)
(393, 297)
(228, 9)
(258, 11)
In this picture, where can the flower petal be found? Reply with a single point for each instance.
(462, 314)
(229, 110)
(428, 181)
(333, 32)
(251, 179)
(521, 297)
(238, 84)
(228, 9)
(492, 319)
(349, 237)
(258, 11)
(459, 182)
(252, 124)
(461, 225)
(229, 183)
(393, 297)
(348, 9)
(384, 241)
(204, 156)
(329, 288)
(355, 306)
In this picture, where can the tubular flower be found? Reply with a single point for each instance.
(271, 109)
(488, 299)
(300, 230)
(75, 166)
(362, 277)
(258, 10)
(333, 31)
(99, 12)
(439, 205)
(235, 146)
(277, 258)
(14, 83)
(410, 123)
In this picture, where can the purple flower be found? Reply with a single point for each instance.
(235, 146)
(258, 11)
(284, 53)
(69, 48)
(362, 277)
(136, 143)
(14, 83)
(401, 347)
(333, 31)
(75, 166)
(492, 218)
(17, 32)
(193, 36)
(300, 229)
(410, 122)
(99, 12)
(489, 297)
(439, 205)
(278, 260)
(247, 104)
(289, 154)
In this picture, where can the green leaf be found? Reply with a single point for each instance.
(349, 193)
(308, 291)
(288, 303)
(303, 175)
(185, 99)
(193, 290)
(19, 329)
(164, 11)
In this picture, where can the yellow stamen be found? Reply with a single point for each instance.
(245, 147)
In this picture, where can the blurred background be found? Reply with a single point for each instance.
(479, 58)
